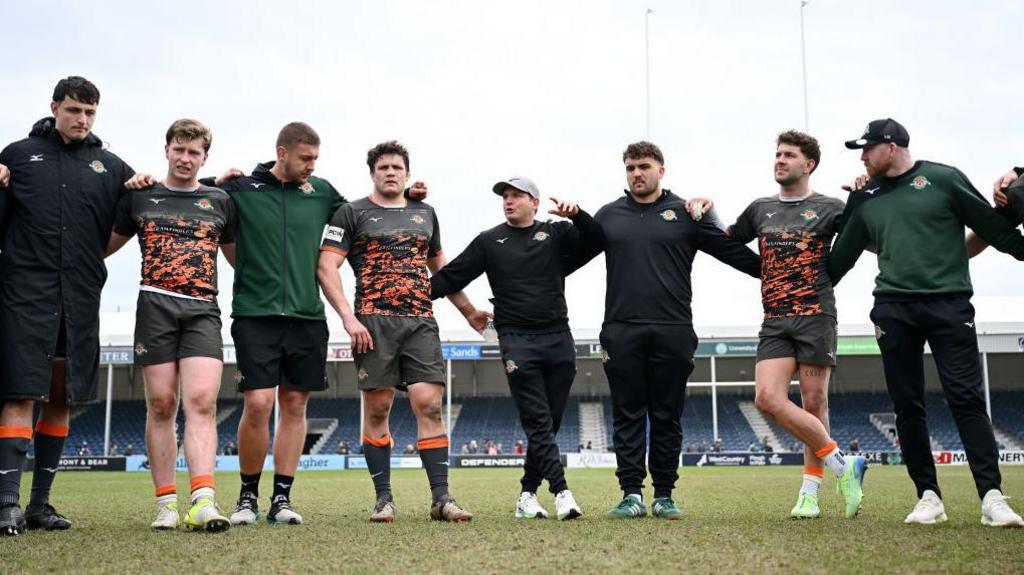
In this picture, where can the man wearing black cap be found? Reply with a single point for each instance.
(914, 214)
(647, 336)
(526, 263)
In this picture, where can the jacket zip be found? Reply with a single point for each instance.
(284, 248)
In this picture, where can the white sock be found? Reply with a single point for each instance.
(835, 461)
(202, 492)
(810, 484)
(637, 497)
(165, 500)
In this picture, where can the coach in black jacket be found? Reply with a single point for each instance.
(526, 263)
(56, 214)
(647, 338)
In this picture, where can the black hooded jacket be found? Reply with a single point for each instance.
(55, 220)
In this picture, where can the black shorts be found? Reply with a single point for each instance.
(274, 351)
(406, 349)
(60, 350)
(169, 328)
(811, 339)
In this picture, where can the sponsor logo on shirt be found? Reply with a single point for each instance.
(540, 236)
(257, 184)
(920, 183)
(418, 220)
(98, 167)
(204, 204)
(35, 158)
(669, 215)
(334, 233)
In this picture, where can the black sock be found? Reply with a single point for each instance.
(250, 486)
(13, 451)
(378, 462)
(48, 451)
(282, 486)
(434, 455)
(663, 493)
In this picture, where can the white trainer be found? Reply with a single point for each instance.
(166, 517)
(996, 512)
(246, 512)
(566, 507)
(929, 510)
(527, 507)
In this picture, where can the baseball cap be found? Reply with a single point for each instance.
(881, 132)
(520, 183)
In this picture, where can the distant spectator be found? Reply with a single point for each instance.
(582, 448)
(129, 450)
(410, 449)
(589, 446)
(474, 447)
(490, 448)
(854, 446)
(795, 447)
(717, 446)
(465, 449)
(83, 449)
(766, 445)
(500, 448)
(230, 448)
(342, 448)
(519, 449)
(114, 449)
(690, 447)
(702, 447)
(754, 447)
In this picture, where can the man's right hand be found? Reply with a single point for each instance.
(139, 181)
(857, 184)
(229, 175)
(362, 342)
(998, 193)
(5, 176)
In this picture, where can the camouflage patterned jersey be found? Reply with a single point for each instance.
(179, 234)
(388, 249)
(794, 239)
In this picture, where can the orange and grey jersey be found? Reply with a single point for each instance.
(388, 249)
(179, 235)
(794, 239)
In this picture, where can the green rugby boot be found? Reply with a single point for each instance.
(806, 507)
(851, 484)
(665, 508)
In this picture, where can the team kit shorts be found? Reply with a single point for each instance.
(811, 339)
(274, 351)
(168, 328)
(406, 349)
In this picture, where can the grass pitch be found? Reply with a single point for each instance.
(737, 521)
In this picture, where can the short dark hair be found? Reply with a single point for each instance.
(297, 133)
(642, 149)
(389, 148)
(78, 88)
(808, 145)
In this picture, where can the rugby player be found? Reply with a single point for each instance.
(391, 241)
(180, 225)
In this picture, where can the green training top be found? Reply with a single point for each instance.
(916, 223)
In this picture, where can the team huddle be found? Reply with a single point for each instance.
(66, 203)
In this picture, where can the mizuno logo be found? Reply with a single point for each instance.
(372, 475)
(50, 469)
(969, 324)
(257, 185)
(501, 241)
(444, 463)
(6, 471)
(35, 158)
(770, 214)
(375, 220)
(283, 485)
(872, 190)
(157, 200)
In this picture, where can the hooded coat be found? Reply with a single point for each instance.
(55, 221)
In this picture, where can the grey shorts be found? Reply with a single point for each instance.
(811, 339)
(168, 328)
(405, 350)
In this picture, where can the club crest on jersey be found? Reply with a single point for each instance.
(540, 236)
(140, 349)
(238, 376)
(809, 215)
(306, 188)
(878, 332)
(510, 366)
(98, 167)
(920, 183)
(204, 204)
(418, 220)
(362, 374)
(669, 215)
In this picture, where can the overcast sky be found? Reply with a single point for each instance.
(553, 90)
